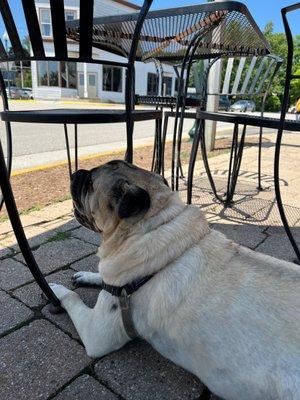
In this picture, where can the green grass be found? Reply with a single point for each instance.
(60, 236)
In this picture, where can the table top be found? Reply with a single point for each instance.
(227, 28)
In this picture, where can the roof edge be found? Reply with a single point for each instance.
(128, 4)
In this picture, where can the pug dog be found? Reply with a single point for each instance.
(228, 314)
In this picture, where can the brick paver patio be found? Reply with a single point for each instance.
(41, 356)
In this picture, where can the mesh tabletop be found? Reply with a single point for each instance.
(227, 28)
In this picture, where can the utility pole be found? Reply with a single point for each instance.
(213, 86)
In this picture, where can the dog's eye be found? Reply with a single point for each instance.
(110, 206)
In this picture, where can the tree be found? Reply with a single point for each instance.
(279, 47)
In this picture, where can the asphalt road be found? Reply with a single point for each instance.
(40, 144)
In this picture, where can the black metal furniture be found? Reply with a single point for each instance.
(178, 36)
(129, 115)
(245, 120)
(252, 78)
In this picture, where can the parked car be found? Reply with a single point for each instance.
(28, 92)
(243, 106)
(292, 110)
(13, 92)
(224, 103)
(17, 93)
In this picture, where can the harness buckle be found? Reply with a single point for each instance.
(124, 300)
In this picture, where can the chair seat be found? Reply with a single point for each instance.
(77, 116)
(251, 120)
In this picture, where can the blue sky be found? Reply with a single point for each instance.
(263, 11)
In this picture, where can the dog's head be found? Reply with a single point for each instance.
(114, 192)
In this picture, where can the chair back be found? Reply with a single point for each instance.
(248, 76)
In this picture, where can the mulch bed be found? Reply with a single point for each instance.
(34, 190)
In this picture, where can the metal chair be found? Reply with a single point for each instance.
(285, 102)
(262, 122)
(252, 78)
(68, 116)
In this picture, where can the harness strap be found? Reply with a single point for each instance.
(129, 288)
(123, 293)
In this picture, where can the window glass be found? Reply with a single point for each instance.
(167, 84)
(72, 75)
(152, 84)
(81, 79)
(117, 80)
(112, 79)
(70, 15)
(92, 80)
(53, 73)
(107, 78)
(42, 73)
(46, 26)
(63, 75)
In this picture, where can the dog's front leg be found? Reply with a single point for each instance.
(100, 329)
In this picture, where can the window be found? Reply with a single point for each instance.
(152, 84)
(167, 85)
(58, 74)
(42, 73)
(112, 79)
(92, 79)
(68, 75)
(46, 24)
(70, 15)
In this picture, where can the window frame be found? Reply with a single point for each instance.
(153, 76)
(40, 11)
(112, 68)
(164, 81)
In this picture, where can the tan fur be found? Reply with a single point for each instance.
(226, 313)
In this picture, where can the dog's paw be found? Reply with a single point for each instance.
(85, 278)
(60, 291)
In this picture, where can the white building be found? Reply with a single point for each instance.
(55, 80)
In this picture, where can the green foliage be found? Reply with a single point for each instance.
(279, 47)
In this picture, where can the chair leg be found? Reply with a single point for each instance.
(68, 150)
(159, 146)
(259, 187)
(193, 156)
(154, 153)
(19, 232)
(164, 137)
(236, 166)
(207, 167)
(76, 146)
(9, 156)
(232, 160)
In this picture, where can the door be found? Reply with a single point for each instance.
(91, 84)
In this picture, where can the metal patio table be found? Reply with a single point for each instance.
(180, 36)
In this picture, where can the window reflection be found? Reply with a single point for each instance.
(59, 74)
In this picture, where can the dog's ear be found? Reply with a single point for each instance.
(131, 200)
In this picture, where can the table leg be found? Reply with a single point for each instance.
(19, 232)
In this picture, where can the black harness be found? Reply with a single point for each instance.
(123, 293)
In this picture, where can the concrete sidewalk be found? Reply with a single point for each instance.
(41, 356)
